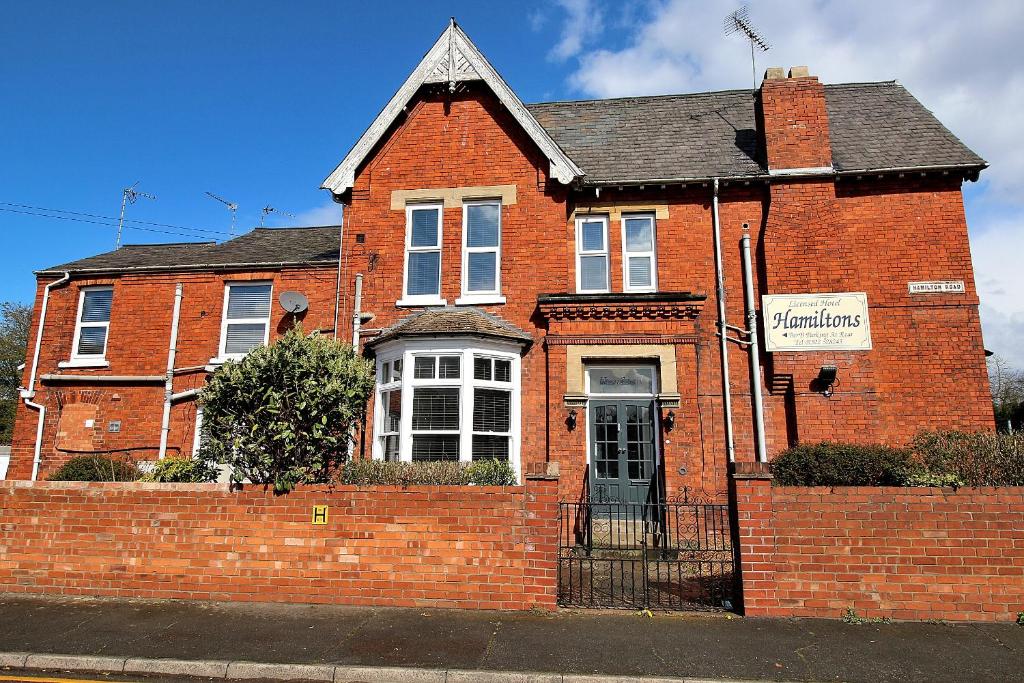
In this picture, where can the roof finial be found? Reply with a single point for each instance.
(453, 24)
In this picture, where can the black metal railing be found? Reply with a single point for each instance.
(674, 555)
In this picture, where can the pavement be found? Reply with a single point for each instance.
(337, 643)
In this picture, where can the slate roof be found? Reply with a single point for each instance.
(873, 126)
(452, 321)
(262, 246)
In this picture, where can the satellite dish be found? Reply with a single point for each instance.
(293, 302)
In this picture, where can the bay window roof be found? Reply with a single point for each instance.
(464, 321)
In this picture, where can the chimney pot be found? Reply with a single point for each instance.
(774, 73)
(799, 72)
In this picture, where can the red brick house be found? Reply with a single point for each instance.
(541, 283)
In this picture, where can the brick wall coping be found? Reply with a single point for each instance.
(223, 488)
(874, 492)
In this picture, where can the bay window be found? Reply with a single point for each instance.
(639, 265)
(423, 239)
(458, 403)
(592, 254)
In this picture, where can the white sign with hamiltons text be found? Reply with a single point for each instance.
(816, 322)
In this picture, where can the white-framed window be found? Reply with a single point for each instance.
(246, 322)
(423, 239)
(453, 401)
(481, 251)
(592, 254)
(639, 261)
(92, 324)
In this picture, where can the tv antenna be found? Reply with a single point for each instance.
(231, 206)
(268, 209)
(739, 22)
(129, 195)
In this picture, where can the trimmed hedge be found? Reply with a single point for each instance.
(96, 468)
(181, 471)
(842, 464)
(443, 473)
(931, 459)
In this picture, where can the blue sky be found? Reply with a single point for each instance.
(258, 101)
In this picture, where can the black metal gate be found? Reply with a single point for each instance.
(675, 556)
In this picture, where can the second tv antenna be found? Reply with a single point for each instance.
(231, 206)
(739, 22)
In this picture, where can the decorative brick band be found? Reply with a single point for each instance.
(574, 340)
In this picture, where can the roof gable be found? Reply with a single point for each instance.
(452, 59)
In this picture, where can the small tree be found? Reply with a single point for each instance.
(285, 413)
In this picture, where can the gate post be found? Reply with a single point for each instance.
(751, 520)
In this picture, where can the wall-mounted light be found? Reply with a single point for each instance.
(826, 379)
(670, 420)
(570, 419)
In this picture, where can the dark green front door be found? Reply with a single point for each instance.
(622, 453)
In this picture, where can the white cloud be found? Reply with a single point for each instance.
(961, 59)
(327, 214)
(584, 22)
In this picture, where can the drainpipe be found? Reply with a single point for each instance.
(165, 425)
(755, 357)
(730, 446)
(357, 314)
(337, 285)
(30, 392)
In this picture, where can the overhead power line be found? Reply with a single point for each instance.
(112, 221)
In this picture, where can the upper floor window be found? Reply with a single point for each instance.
(639, 265)
(92, 324)
(246, 323)
(481, 248)
(423, 253)
(592, 254)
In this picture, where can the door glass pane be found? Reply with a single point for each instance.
(248, 301)
(92, 341)
(639, 234)
(606, 442)
(621, 380)
(640, 271)
(639, 449)
(424, 273)
(435, 409)
(593, 272)
(96, 305)
(592, 236)
(435, 447)
(482, 225)
(243, 338)
(424, 227)
(482, 268)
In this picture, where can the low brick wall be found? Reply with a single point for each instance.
(468, 547)
(921, 553)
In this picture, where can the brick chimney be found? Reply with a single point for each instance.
(794, 120)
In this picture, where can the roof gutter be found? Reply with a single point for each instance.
(799, 173)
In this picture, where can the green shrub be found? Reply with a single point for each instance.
(181, 470)
(443, 473)
(285, 414)
(972, 459)
(96, 468)
(842, 464)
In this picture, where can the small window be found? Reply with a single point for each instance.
(492, 369)
(481, 259)
(423, 252)
(92, 323)
(639, 272)
(246, 318)
(592, 254)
